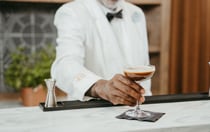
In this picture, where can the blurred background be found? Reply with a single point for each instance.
(179, 41)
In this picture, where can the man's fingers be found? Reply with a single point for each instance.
(120, 100)
(123, 95)
(142, 91)
(126, 90)
(124, 80)
(130, 83)
(142, 99)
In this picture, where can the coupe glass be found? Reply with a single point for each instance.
(139, 74)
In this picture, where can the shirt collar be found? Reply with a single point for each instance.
(106, 10)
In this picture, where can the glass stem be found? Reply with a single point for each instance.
(138, 109)
(138, 106)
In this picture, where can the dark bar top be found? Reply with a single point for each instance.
(67, 105)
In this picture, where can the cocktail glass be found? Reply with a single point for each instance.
(139, 74)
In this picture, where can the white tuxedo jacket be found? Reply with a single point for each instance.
(87, 49)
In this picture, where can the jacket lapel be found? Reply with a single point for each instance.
(133, 37)
(109, 42)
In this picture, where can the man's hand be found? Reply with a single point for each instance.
(118, 90)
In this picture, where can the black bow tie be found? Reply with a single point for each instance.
(111, 16)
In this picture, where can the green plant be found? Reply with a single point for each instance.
(29, 69)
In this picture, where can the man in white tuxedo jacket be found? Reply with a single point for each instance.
(92, 51)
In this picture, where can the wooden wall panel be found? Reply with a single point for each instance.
(190, 50)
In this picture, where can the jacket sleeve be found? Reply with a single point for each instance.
(68, 68)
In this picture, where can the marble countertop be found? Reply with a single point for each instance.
(182, 117)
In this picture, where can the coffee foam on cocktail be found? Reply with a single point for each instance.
(139, 69)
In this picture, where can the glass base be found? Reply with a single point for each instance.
(137, 113)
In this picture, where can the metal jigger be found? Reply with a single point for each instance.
(51, 98)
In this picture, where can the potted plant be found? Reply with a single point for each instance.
(27, 71)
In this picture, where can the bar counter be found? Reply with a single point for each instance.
(190, 116)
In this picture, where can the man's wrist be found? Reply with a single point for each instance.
(95, 88)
